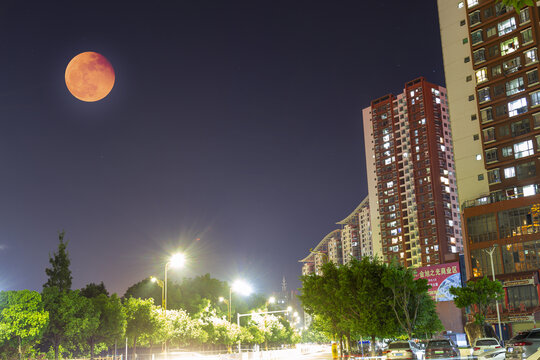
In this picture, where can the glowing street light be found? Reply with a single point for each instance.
(272, 300)
(176, 261)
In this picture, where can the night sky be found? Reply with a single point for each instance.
(234, 122)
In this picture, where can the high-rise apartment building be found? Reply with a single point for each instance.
(411, 177)
(352, 241)
(490, 54)
(356, 233)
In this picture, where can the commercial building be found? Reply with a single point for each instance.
(491, 67)
(411, 178)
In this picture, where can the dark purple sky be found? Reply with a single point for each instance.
(236, 122)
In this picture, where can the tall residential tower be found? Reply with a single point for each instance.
(411, 177)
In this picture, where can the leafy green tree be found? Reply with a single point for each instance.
(111, 321)
(407, 296)
(360, 283)
(321, 296)
(518, 4)
(314, 334)
(141, 319)
(146, 289)
(481, 293)
(69, 317)
(59, 274)
(93, 290)
(22, 320)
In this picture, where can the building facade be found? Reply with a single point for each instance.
(352, 241)
(491, 66)
(411, 178)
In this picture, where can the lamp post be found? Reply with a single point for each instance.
(177, 260)
(490, 252)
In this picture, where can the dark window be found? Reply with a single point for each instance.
(488, 12)
(504, 131)
(467, 59)
(493, 51)
(500, 110)
(473, 117)
(498, 90)
(521, 127)
(525, 170)
(476, 137)
(479, 55)
(468, 78)
(532, 77)
(462, 22)
(480, 177)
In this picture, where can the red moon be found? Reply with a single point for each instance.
(89, 76)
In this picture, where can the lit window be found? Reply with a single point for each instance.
(478, 157)
(509, 46)
(522, 149)
(517, 107)
(491, 31)
(514, 86)
(512, 65)
(389, 184)
(483, 95)
(471, 3)
(535, 98)
(506, 26)
(481, 75)
(494, 176)
(531, 56)
(460, 4)
(524, 16)
(507, 151)
(509, 172)
(526, 36)
(528, 190)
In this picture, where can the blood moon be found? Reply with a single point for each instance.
(89, 76)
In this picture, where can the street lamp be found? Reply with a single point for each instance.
(177, 260)
(490, 252)
(161, 285)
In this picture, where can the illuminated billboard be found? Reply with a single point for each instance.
(441, 278)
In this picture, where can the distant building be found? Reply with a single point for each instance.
(490, 55)
(339, 246)
(356, 233)
(411, 178)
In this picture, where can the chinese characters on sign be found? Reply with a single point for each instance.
(441, 278)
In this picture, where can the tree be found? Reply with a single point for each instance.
(407, 296)
(59, 274)
(361, 282)
(111, 321)
(518, 4)
(141, 319)
(69, 317)
(320, 296)
(482, 293)
(22, 320)
(93, 290)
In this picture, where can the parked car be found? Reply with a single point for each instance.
(419, 349)
(488, 349)
(441, 349)
(523, 344)
(400, 350)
